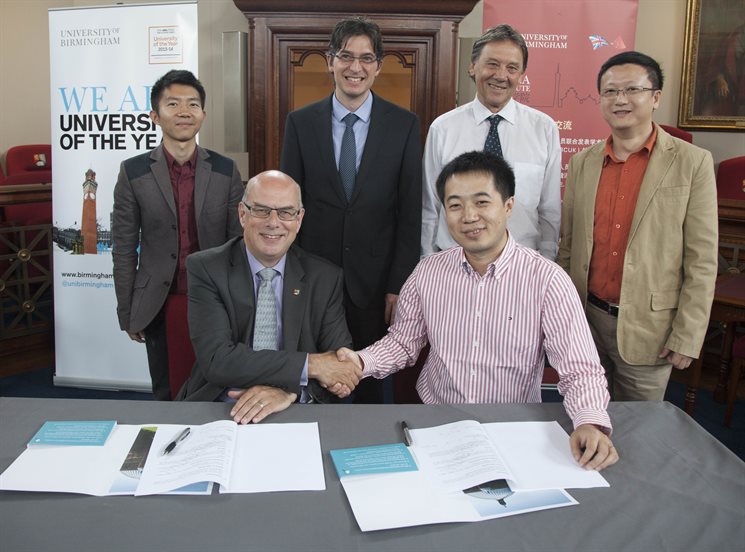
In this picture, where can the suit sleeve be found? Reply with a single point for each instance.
(409, 215)
(236, 193)
(223, 361)
(563, 259)
(334, 332)
(700, 250)
(125, 234)
(549, 206)
(291, 160)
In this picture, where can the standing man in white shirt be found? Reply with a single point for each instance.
(525, 137)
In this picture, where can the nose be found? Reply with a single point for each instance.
(621, 97)
(356, 64)
(470, 213)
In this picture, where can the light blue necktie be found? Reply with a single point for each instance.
(265, 327)
(492, 144)
(348, 155)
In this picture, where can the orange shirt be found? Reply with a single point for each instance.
(615, 204)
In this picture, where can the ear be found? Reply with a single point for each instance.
(154, 117)
(241, 213)
(508, 205)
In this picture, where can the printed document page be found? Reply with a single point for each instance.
(205, 455)
(277, 457)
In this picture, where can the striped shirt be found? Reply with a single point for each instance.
(489, 334)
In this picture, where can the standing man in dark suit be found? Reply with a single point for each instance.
(357, 159)
(168, 203)
(260, 312)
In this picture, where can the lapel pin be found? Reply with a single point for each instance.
(296, 292)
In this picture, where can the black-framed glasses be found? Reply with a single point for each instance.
(347, 58)
(629, 91)
(261, 211)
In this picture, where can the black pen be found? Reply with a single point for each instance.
(172, 445)
(407, 434)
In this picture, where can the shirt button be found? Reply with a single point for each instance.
(621, 197)
(618, 226)
(615, 253)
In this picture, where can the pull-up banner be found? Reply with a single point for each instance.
(567, 42)
(103, 62)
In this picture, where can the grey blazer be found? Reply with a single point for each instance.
(145, 217)
(221, 321)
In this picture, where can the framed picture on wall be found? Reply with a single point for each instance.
(712, 94)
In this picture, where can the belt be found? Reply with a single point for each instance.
(610, 308)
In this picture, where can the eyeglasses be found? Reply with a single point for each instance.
(347, 58)
(629, 91)
(259, 211)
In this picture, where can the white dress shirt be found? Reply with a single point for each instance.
(530, 144)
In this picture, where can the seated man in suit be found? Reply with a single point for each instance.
(260, 311)
(492, 311)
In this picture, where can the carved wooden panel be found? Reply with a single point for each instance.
(288, 40)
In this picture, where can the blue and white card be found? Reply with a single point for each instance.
(373, 460)
(73, 433)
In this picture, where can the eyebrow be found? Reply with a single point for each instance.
(476, 195)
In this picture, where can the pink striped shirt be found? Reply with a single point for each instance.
(488, 334)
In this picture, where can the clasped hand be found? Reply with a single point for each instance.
(338, 372)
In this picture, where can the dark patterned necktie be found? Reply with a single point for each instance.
(492, 144)
(348, 155)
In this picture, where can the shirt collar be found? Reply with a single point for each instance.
(481, 113)
(498, 266)
(171, 160)
(363, 111)
(256, 266)
(646, 148)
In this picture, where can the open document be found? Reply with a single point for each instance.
(464, 471)
(136, 460)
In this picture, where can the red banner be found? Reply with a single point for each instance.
(567, 42)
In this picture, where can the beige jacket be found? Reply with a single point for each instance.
(671, 257)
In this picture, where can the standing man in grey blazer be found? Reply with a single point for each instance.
(168, 203)
(357, 159)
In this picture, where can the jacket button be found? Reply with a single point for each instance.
(173, 255)
(166, 283)
(173, 227)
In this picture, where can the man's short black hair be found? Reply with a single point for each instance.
(356, 26)
(175, 76)
(479, 162)
(654, 72)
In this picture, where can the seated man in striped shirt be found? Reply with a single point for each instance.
(492, 310)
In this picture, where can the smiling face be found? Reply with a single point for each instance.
(354, 80)
(497, 73)
(477, 216)
(268, 239)
(179, 114)
(628, 115)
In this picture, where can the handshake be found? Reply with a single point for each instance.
(339, 372)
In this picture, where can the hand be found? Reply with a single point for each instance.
(721, 87)
(391, 302)
(257, 402)
(342, 355)
(139, 337)
(592, 448)
(679, 362)
(338, 377)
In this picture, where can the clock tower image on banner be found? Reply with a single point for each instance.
(88, 229)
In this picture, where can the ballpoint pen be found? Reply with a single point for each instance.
(407, 434)
(172, 445)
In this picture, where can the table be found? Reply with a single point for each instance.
(675, 488)
(728, 307)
